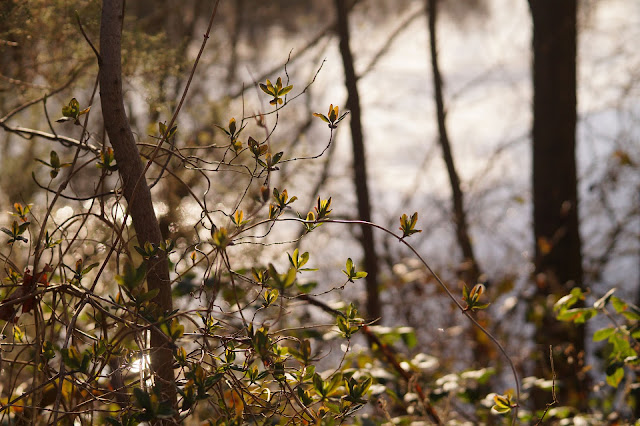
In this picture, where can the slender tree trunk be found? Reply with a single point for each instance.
(135, 188)
(235, 38)
(555, 202)
(484, 351)
(359, 163)
(470, 269)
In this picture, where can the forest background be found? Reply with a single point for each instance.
(510, 127)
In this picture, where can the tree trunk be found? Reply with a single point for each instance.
(558, 258)
(135, 188)
(470, 270)
(484, 351)
(235, 39)
(359, 163)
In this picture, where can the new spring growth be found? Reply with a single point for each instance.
(333, 117)
(503, 404)
(473, 298)
(71, 112)
(407, 225)
(107, 160)
(276, 91)
(351, 272)
(322, 210)
(233, 132)
(54, 163)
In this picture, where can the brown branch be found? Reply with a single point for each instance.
(135, 188)
(64, 140)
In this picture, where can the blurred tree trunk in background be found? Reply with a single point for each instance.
(469, 271)
(558, 259)
(238, 12)
(359, 163)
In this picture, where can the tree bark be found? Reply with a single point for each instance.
(374, 309)
(470, 270)
(135, 188)
(558, 258)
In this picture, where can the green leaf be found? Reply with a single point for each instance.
(618, 304)
(304, 259)
(603, 333)
(351, 273)
(176, 330)
(615, 377)
(23, 227)
(569, 300)
(304, 396)
(48, 351)
(266, 89)
(322, 117)
(143, 399)
(631, 315)
(54, 159)
(277, 157)
(270, 296)
(577, 315)
(89, 268)
(284, 90)
(318, 384)
(332, 386)
(290, 278)
(407, 225)
(149, 295)
(306, 287)
(71, 358)
(164, 411)
(132, 278)
(409, 337)
(71, 110)
(502, 404)
(349, 266)
(163, 130)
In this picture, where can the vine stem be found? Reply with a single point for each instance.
(441, 283)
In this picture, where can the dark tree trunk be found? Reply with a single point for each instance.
(359, 163)
(470, 270)
(135, 188)
(484, 351)
(235, 38)
(558, 258)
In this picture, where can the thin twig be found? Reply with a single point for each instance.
(183, 97)
(386, 352)
(554, 399)
(441, 283)
(87, 39)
